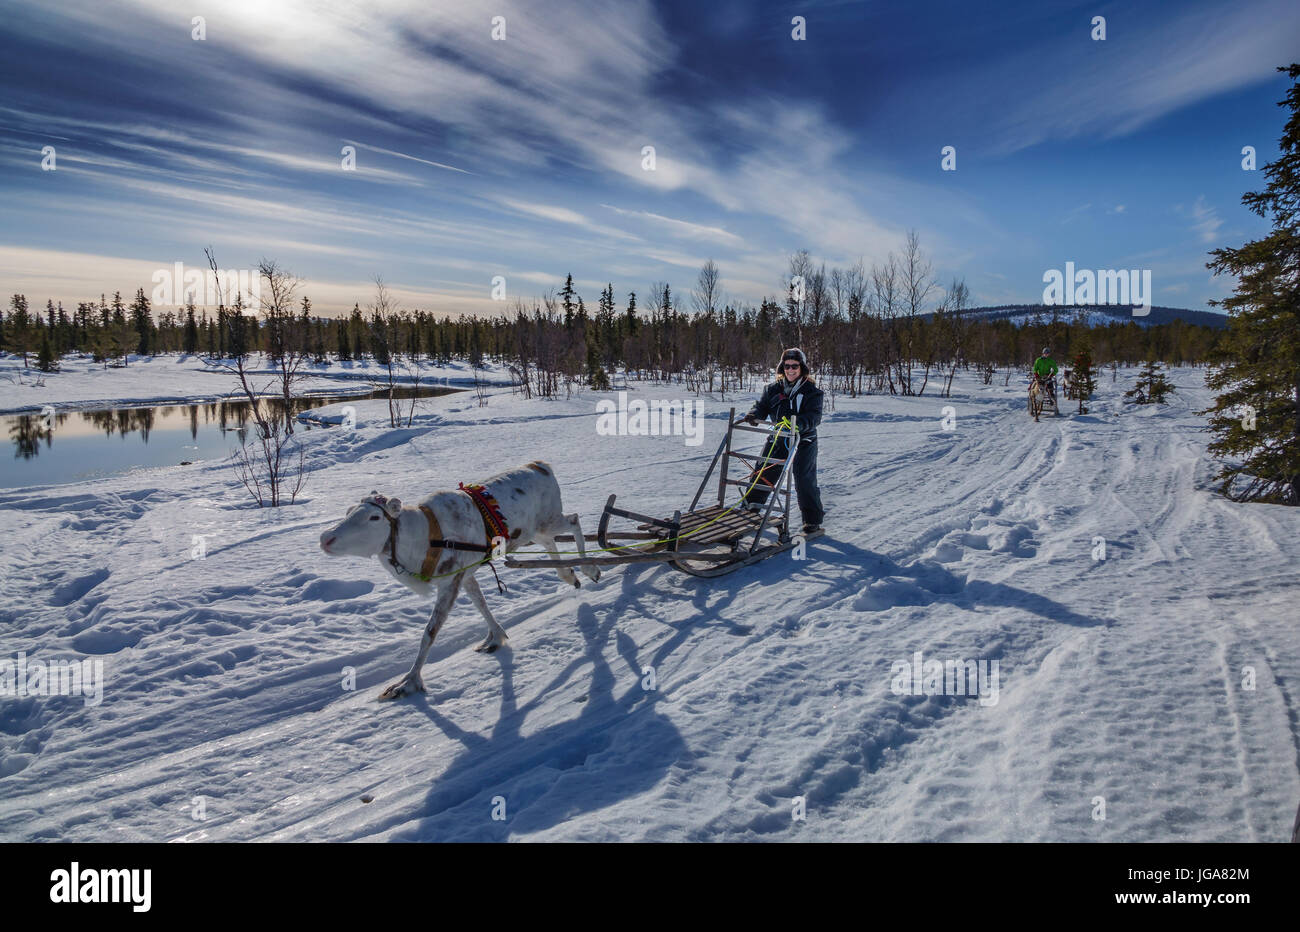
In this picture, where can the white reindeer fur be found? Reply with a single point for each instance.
(529, 497)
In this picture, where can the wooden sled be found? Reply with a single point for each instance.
(704, 541)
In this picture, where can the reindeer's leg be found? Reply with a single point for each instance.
(496, 634)
(546, 537)
(592, 572)
(412, 682)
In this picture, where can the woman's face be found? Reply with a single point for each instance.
(790, 368)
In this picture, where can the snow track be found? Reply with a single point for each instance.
(1122, 679)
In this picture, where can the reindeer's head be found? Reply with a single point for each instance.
(365, 530)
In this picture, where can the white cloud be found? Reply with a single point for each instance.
(680, 227)
(1206, 220)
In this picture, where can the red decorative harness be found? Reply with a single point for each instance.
(493, 521)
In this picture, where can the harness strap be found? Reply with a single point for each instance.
(437, 543)
(435, 532)
(458, 545)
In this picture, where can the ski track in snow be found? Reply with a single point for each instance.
(1120, 678)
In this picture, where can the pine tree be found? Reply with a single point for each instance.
(191, 342)
(45, 360)
(1085, 377)
(142, 324)
(1151, 387)
(1256, 416)
(239, 341)
(341, 337)
(596, 375)
(20, 326)
(567, 294)
(379, 347)
(64, 342)
(357, 326)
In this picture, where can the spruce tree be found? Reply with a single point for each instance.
(379, 347)
(191, 342)
(1256, 416)
(341, 336)
(142, 324)
(357, 326)
(597, 377)
(567, 293)
(1151, 387)
(45, 358)
(20, 326)
(1085, 377)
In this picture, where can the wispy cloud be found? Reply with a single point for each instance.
(1154, 61)
(1206, 220)
(680, 227)
(401, 155)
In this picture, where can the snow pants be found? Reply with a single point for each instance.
(805, 479)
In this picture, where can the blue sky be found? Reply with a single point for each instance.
(522, 158)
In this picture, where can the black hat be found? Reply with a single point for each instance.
(795, 353)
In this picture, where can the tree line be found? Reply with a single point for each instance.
(888, 329)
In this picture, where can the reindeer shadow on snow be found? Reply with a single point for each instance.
(617, 746)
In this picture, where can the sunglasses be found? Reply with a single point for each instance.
(791, 365)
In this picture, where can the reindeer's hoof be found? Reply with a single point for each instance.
(404, 688)
(577, 584)
(489, 646)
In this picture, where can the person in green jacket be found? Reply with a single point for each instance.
(1045, 369)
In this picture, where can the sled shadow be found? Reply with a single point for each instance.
(946, 586)
(616, 747)
(931, 578)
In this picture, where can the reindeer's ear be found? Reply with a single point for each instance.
(393, 506)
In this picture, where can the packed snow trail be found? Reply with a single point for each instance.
(1121, 679)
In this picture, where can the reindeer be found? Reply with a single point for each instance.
(443, 541)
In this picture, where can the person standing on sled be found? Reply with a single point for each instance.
(1045, 369)
(792, 395)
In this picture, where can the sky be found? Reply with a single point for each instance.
(522, 158)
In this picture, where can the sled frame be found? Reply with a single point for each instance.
(709, 541)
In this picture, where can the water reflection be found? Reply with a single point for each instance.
(35, 433)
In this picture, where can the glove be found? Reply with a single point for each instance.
(751, 420)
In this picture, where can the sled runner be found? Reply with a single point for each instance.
(707, 540)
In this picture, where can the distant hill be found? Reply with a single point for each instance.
(1098, 315)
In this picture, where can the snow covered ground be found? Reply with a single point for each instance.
(1121, 685)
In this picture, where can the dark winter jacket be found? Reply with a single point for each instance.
(804, 409)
